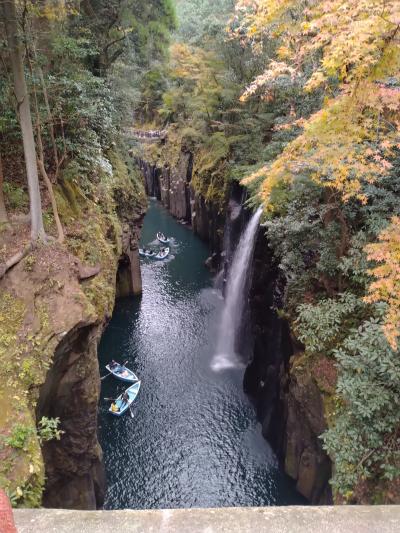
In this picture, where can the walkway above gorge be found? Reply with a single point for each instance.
(338, 519)
(146, 135)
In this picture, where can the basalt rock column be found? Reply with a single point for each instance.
(74, 467)
(288, 401)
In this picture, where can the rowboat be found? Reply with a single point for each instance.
(123, 373)
(162, 238)
(162, 254)
(122, 405)
(146, 253)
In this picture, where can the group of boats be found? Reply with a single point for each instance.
(125, 400)
(159, 254)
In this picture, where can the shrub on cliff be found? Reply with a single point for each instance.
(364, 439)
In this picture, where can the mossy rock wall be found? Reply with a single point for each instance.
(51, 318)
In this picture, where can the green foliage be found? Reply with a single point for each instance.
(364, 440)
(321, 326)
(202, 21)
(48, 429)
(19, 436)
(27, 496)
(16, 197)
(29, 262)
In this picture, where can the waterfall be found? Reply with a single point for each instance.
(226, 356)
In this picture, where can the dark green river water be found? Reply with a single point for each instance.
(194, 440)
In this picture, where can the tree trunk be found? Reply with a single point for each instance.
(50, 116)
(3, 212)
(41, 164)
(22, 96)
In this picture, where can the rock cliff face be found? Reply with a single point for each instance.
(289, 403)
(172, 186)
(53, 307)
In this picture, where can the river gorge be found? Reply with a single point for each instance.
(194, 440)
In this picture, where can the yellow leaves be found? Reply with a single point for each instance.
(277, 72)
(386, 287)
(357, 38)
(192, 63)
(273, 179)
(252, 31)
(338, 149)
(315, 81)
(55, 11)
(354, 36)
(351, 139)
(262, 172)
(284, 52)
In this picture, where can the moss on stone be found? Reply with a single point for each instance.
(28, 332)
(211, 172)
(12, 312)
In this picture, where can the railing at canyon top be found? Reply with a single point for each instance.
(146, 135)
(368, 519)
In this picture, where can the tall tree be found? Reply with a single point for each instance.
(22, 97)
(3, 212)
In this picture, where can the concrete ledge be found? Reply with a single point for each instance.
(352, 519)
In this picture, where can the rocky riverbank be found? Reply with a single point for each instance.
(189, 184)
(53, 308)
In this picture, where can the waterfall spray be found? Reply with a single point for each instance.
(225, 356)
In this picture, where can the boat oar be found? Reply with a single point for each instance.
(111, 399)
(131, 411)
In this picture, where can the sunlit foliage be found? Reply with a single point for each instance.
(386, 288)
(330, 194)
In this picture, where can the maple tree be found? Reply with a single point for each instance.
(351, 50)
(330, 194)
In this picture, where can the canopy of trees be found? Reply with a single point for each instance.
(70, 81)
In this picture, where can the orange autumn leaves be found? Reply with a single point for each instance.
(386, 288)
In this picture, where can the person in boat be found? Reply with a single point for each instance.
(113, 365)
(124, 398)
(114, 407)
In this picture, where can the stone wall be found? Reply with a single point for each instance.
(360, 519)
(74, 467)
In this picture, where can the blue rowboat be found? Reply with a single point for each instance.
(123, 373)
(162, 238)
(123, 406)
(162, 254)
